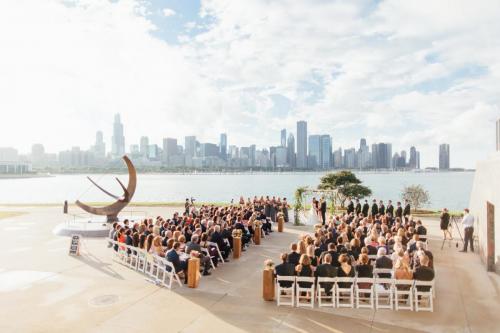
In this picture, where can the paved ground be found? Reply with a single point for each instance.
(43, 289)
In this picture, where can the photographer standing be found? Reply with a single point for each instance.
(468, 224)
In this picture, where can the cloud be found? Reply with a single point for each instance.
(388, 71)
(169, 12)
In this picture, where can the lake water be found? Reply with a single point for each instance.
(447, 189)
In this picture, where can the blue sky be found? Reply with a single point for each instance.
(411, 73)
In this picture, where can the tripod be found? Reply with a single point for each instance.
(453, 222)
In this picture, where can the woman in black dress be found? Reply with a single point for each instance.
(304, 269)
(444, 223)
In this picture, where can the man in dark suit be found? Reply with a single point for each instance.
(194, 245)
(407, 210)
(323, 210)
(326, 270)
(173, 257)
(285, 269)
(358, 207)
(366, 208)
(390, 208)
(332, 251)
(423, 272)
(383, 262)
(399, 210)
(381, 208)
(374, 208)
(293, 257)
(217, 238)
(350, 206)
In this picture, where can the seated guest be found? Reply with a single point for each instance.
(332, 252)
(364, 269)
(345, 270)
(424, 272)
(312, 257)
(293, 257)
(402, 270)
(194, 245)
(421, 231)
(285, 269)
(383, 262)
(217, 238)
(156, 248)
(304, 268)
(326, 270)
(174, 258)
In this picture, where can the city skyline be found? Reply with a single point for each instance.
(207, 68)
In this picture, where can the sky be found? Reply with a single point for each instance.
(408, 72)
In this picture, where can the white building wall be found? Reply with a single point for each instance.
(486, 187)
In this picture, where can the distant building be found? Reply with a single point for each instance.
(251, 154)
(314, 158)
(99, 148)
(382, 156)
(8, 154)
(337, 159)
(326, 152)
(209, 150)
(350, 158)
(170, 149)
(364, 156)
(153, 152)
(144, 146)
(444, 156)
(283, 137)
(223, 146)
(118, 139)
(291, 151)
(281, 153)
(190, 146)
(301, 145)
(413, 162)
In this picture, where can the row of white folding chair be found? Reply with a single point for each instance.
(373, 293)
(157, 268)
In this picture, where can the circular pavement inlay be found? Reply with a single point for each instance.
(104, 300)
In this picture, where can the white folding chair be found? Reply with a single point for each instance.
(345, 292)
(218, 250)
(207, 253)
(403, 294)
(424, 296)
(386, 273)
(115, 247)
(309, 292)
(166, 273)
(384, 293)
(325, 300)
(142, 259)
(364, 293)
(372, 258)
(132, 257)
(284, 293)
(152, 266)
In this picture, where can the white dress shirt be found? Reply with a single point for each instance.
(468, 221)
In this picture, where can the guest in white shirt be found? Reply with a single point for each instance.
(468, 225)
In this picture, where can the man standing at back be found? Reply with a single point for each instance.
(407, 210)
(374, 208)
(399, 211)
(358, 207)
(468, 225)
(366, 208)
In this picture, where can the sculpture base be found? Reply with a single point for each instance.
(84, 227)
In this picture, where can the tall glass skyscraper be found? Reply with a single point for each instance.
(444, 156)
(301, 144)
(326, 152)
(223, 146)
(118, 139)
(291, 151)
(314, 160)
(283, 137)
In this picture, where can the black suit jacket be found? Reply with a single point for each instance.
(285, 269)
(423, 273)
(326, 270)
(390, 209)
(350, 207)
(374, 209)
(293, 258)
(399, 212)
(407, 210)
(384, 263)
(358, 208)
(381, 209)
(323, 207)
(366, 208)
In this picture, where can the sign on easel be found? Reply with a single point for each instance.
(74, 247)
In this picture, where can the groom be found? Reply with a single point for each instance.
(323, 210)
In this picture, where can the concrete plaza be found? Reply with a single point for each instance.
(43, 289)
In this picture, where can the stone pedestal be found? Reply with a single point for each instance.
(281, 224)
(236, 247)
(257, 235)
(193, 272)
(268, 285)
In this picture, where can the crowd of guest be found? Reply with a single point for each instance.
(184, 235)
(347, 245)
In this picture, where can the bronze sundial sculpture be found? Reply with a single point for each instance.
(112, 210)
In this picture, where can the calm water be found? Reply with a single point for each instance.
(450, 189)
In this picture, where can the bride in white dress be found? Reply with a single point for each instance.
(311, 217)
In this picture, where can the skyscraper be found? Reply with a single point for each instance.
(223, 146)
(412, 163)
(364, 157)
(118, 139)
(314, 158)
(382, 156)
(444, 156)
(99, 148)
(144, 146)
(283, 137)
(326, 152)
(190, 146)
(301, 144)
(291, 151)
(169, 149)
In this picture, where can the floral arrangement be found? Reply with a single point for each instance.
(237, 233)
(268, 264)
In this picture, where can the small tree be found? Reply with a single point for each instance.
(298, 203)
(346, 184)
(416, 195)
